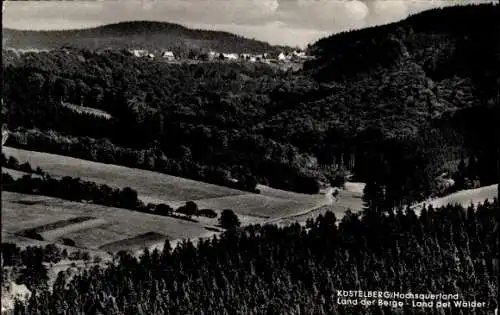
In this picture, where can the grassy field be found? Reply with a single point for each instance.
(464, 197)
(95, 227)
(87, 110)
(88, 225)
(136, 243)
(150, 185)
(17, 174)
(259, 206)
(55, 225)
(109, 224)
(161, 188)
(348, 198)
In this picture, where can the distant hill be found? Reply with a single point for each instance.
(137, 34)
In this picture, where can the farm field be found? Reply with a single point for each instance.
(150, 185)
(100, 225)
(464, 197)
(348, 198)
(135, 243)
(16, 174)
(260, 206)
(100, 228)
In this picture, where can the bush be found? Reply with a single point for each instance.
(189, 209)
(25, 167)
(68, 242)
(12, 162)
(34, 235)
(52, 254)
(77, 255)
(163, 209)
(335, 193)
(86, 256)
(209, 213)
(39, 171)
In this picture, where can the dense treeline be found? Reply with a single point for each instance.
(153, 159)
(296, 270)
(75, 189)
(247, 123)
(12, 163)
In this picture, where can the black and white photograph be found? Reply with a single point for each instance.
(250, 157)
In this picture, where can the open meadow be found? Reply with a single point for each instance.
(464, 197)
(175, 191)
(152, 185)
(16, 174)
(348, 198)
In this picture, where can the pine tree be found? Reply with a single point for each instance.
(229, 219)
(374, 197)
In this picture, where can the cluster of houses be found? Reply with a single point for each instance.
(295, 56)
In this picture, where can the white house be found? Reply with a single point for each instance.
(169, 55)
(139, 52)
(230, 56)
(213, 55)
(299, 54)
(282, 57)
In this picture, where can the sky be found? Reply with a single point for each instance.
(283, 22)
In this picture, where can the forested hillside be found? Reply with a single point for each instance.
(292, 270)
(395, 121)
(450, 46)
(154, 36)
